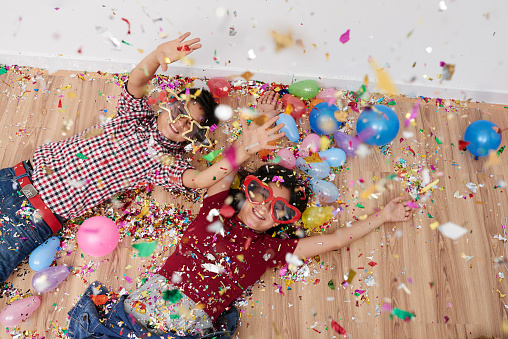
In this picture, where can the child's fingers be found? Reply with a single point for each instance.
(183, 36)
(270, 122)
(276, 136)
(396, 200)
(275, 129)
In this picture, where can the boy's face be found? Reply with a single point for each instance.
(174, 131)
(258, 217)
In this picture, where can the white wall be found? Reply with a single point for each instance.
(471, 34)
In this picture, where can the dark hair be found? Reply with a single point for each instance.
(298, 190)
(207, 102)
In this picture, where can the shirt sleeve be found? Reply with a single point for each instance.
(170, 177)
(131, 108)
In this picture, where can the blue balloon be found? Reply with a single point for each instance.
(482, 138)
(289, 129)
(335, 157)
(322, 119)
(314, 169)
(325, 191)
(377, 125)
(43, 256)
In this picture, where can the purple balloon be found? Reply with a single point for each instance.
(49, 278)
(346, 142)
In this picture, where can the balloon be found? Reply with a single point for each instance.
(49, 278)
(44, 255)
(322, 119)
(98, 236)
(324, 190)
(219, 87)
(290, 129)
(305, 89)
(19, 310)
(318, 170)
(346, 143)
(311, 143)
(327, 94)
(482, 138)
(298, 108)
(335, 157)
(287, 158)
(313, 217)
(377, 125)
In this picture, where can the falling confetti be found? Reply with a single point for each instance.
(344, 37)
(451, 230)
(384, 82)
(339, 329)
(145, 249)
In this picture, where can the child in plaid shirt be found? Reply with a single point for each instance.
(136, 147)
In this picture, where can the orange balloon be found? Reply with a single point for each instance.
(314, 103)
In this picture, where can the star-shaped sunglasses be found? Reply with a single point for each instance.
(258, 193)
(196, 134)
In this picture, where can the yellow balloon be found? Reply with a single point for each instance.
(314, 217)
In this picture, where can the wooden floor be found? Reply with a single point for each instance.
(455, 288)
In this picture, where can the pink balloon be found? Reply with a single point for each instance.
(327, 94)
(13, 314)
(288, 160)
(311, 143)
(49, 278)
(219, 87)
(98, 236)
(299, 107)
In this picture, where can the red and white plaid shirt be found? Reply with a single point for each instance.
(80, 172)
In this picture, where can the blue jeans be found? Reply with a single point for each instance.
(85, 321)
(22, 229)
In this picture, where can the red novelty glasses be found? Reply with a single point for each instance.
(258, 193)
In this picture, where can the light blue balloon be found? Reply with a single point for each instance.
(325, 191)
(290, 129)
(318, 170)
(335, 157)
(43, 256)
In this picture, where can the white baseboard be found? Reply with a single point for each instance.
(54, 63)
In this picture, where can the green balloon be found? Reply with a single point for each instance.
(305, 89)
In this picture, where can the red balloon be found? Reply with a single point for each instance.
(298, 106)
(219, 87)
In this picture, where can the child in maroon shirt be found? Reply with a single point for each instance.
(220, 256)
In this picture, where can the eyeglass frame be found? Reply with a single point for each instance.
(271, 198)
(192, 120)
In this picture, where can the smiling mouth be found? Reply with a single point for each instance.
(257, 214)
(173, 129)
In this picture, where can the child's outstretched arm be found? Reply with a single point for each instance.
(163, 55)
(395, 210)
(253, 139)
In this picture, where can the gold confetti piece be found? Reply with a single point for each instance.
(187, 61)
(428, 187)
(501, 295)
(340, 116)
(384, 82)
(144, 211)
(128, 266)
(350, 276)
(492, 160)
(71, 95)
(313, 158)
(66, 87)
(141, 51)
(167, 60)
(247, 75)
(282, 40)
(260, 120)
(363, 217)
(240, 257)
(434, 225)
(48, 170)
(92, 133)
(448, 71)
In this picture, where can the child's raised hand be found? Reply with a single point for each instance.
(269, 104)
(256, 138)
(174, 50)
(398, 210)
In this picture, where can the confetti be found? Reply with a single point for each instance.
(173, 296)
(451, 230)
(145, 249)
(339, 329)
(344, 37)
